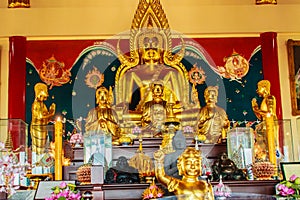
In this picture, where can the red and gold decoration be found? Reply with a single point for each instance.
(18, 3)
(153, 191)
(94, 78)
(235, 68)
(197, 75)
(53, 73)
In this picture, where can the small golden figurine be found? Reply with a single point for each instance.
(213, 120)
(40, 118)
(158, 109)
(267, 113)
(154, 110)
(189, 166)
(142, 162)
(103, 117)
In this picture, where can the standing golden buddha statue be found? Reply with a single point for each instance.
(40, 118)
(189, 166)
(267, 114)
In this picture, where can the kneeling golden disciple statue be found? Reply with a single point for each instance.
(103, 117)
(189, 166)
(40, 118)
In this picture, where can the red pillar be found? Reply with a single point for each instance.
(271, 72)
(270, 66)
(17, 82)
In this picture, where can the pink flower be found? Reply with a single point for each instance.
(285, 191)
(75, 196)
(218, 193)
(159, 194)
(293, 178)
(227, 194)
(65, 193)
(280, 187)
(63, 185)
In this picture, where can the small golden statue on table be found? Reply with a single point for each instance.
(189, 166)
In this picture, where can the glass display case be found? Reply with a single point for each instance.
(98, 148)
(13, 153)
(14, 135)
(283, 140)
(286, 143)
(240, 146)
(247, 145)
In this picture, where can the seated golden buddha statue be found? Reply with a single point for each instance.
(213, 120)
(157, 110)
(151, 59)
(40, 118)
(154, 107)
(189, 166)
(103, 117)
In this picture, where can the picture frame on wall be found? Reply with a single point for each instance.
(290, 168)
(293, 50)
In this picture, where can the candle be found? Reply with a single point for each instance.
(271, 139)
(58, 130)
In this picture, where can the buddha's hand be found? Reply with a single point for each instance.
(52, 108)
(254, 103)
(159, 156)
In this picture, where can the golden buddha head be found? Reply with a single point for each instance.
(157, 89)
(103, 96)
(189, 162)
(263, 87)
(41, 91)
(211, 94)
(150, 43)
